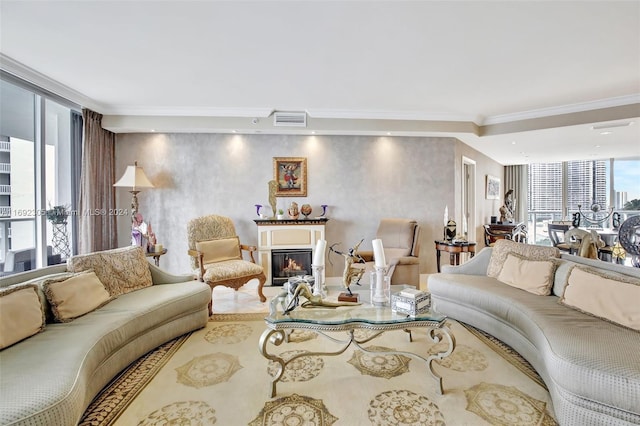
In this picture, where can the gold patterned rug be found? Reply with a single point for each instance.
(217, 376)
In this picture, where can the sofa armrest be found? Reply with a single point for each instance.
(475, 266)
(160, 276)
(406, 260)
(366, 255)
(250, 249)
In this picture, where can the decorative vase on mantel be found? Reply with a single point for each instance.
(306, 210)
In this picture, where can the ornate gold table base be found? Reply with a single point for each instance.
(277, 333)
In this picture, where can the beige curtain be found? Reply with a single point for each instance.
(516, 178)
(97, 197)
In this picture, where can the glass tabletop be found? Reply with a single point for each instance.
(363, 313)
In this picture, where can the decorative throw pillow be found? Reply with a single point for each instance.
(534, 276)
(219, 250)
(503, 247)
(611, 297)
(43, 299)
(73, 297)
(121, 270)
(21, 314)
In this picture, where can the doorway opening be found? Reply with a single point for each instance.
(468, 198)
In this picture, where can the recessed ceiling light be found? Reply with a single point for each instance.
(388, 133)
(513, 142)
(234, 131)
(313, 132)
(606, 132)
(153, 130)
(611, 125)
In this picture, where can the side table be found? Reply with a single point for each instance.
(454, 250)
(156, 256)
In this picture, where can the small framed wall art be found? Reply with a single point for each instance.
(493, 188)
(290, 173)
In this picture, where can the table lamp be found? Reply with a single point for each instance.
(135, 178)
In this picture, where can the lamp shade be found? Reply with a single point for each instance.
(134, 177)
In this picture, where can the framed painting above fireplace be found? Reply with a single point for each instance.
(290, 173)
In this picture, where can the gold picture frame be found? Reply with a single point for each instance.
(290, 174)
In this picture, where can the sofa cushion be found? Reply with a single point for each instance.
(74, 296)
(219, 250)
(230, 269)
(611, 297)
(21, 314)
(534, 276)
(121, 270)
(393, 254)
(503, 247)
(43, 299)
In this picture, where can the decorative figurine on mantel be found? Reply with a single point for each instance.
(273, 187)
(507, 211)
(293, 210)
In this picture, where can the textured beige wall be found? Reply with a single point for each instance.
(361, 178)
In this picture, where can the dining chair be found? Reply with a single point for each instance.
(517, 233)
(557, 237)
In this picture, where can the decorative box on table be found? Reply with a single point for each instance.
(411, 302)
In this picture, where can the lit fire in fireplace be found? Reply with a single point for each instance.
(289, 263)
(292, 265)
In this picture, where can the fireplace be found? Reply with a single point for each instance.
(289, 263)
(287, 236)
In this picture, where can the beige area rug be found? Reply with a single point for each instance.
(217, 376)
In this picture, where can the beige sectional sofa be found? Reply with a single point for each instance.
(590, 365)
(49, 378)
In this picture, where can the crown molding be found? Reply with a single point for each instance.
(564, 109)
(187, 111)
(389, 115)
(36, 78)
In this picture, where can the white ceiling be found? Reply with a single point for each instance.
(432, 68)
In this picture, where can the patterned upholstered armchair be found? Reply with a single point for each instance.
(216, 255)
(401, 243)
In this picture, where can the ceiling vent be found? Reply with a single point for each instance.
(290, 119)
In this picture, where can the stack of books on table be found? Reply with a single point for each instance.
(411, 302)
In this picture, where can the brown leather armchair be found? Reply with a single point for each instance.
(216, 255)
(401, 243)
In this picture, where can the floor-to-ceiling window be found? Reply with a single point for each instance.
(39, 143)
(594, 189)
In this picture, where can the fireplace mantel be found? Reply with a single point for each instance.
(317, 221)
(287, 234)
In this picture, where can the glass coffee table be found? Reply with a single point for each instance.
(349, 318)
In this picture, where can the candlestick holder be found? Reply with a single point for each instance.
(380, 287)
(319, 287)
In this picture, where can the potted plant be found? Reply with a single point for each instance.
(280, 215)
(58, 215)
